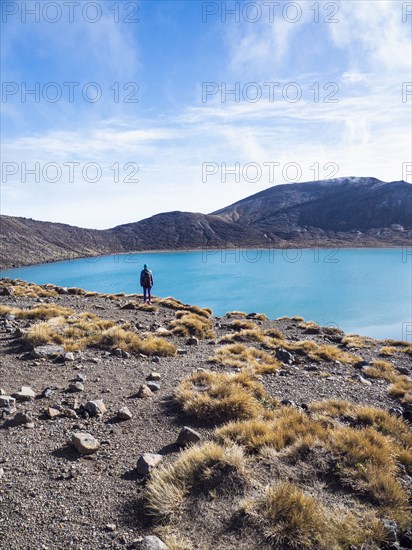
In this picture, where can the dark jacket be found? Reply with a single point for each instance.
(146, 278)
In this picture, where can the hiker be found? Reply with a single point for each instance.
(146, 281)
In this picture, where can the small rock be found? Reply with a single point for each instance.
(19, 332)
(361, 379)
(284, 356)
(126, 355)
(155, 359)
(85, 443)
(187, 436)
(6, 291)
(76, 387)
(117, 352)
(181, 351)
(153, 386)
(162, 330)
(111, 527)
(311, 368)
(1, 473)
(193, 341)
(7, 401)
(150, 542)
(52, 412)
(396, 411)
(124, 414)
(391, 530)
(146, 463)
(23, 418)
(403, 370)
(25, 394)
(212, 343)
(360, 364)
(288, 403)
(69, 356)
(47, 392)
(48, 351)
(144, 391)
(10, 317)
(2, 392)
(154, 376)
(80, 377)
(95, 408)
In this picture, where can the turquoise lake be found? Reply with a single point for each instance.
(365, 291)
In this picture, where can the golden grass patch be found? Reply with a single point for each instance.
(401, 387)
(319, 352)
(236, 314)
(274, 333)
(356, 341)
(245, 335)
(288, 426)
(222, 396)
(204, 467)
(192, 324)
(172, 303)
(245, 357)
(381, 369)
(239, 325)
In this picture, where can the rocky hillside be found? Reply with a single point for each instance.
(341, 212)
(124, 425)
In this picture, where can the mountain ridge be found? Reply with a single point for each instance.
(352, 211)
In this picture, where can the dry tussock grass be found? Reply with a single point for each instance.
(44, 311)
(290, 518)
(217, 397)
(401, 388)
(236, 314)
(245, 357)
(203, 467)
(381, 369)
(245, 335)
(319, 352)
(239, 325)
(274, 333)
(356, 341)
(289, 425)
(31, 290)
(88, 330)
(192, 324)
(172, 303)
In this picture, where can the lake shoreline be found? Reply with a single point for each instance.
(211, 249)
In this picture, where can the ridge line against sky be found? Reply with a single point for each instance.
(174, 60)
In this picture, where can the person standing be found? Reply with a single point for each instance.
(146, 281)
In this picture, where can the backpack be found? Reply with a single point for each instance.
(146, 279)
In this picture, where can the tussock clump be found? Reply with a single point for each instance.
(220, 397)
(246, 335)
(244, 357)
(88, 330)
(381, 369)
(44, 311)
(319, 352)
(31, 290)
(236, 314)
(290, 518)
(388, 351)
(295, 318)
(257, 316)
(116, 337)
(274, 333)
(172, 303)
(239, 325)
(356, 341)
(401, 387)
(140, 306)
(192, 324)
(289, 425)
(205, 468)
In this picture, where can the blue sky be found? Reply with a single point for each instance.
(336, 78)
